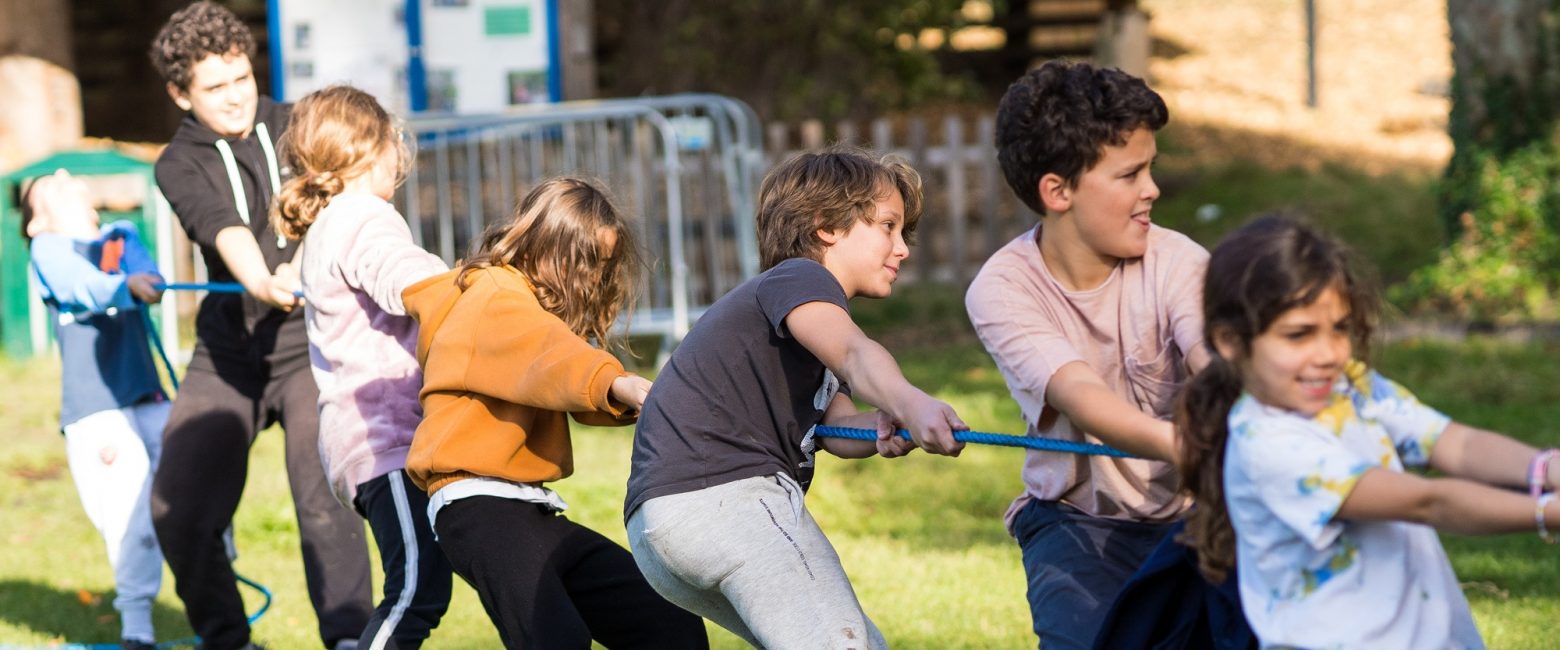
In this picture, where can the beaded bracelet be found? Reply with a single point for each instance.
(1538, 471)
(1538, 516)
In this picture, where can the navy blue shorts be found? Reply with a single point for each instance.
(1076, 564)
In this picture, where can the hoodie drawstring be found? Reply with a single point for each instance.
(240, 200)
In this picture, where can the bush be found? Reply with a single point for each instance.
(1505, 263)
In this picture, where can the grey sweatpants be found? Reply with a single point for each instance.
(748, 556)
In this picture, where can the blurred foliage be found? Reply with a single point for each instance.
(1505, 263)
(790, 60)
(1499, 196)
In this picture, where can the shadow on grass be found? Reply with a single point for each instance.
(76, 616)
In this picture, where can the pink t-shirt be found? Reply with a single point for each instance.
(1135, 330)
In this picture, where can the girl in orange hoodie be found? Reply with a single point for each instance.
(505, 345)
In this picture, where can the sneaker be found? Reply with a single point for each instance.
(346, 644)
(136, 644)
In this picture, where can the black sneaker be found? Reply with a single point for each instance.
(136, 644)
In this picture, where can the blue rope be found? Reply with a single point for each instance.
(212, 287)
(195, 640)
(266, 593)
(151, 330)
(977, 437)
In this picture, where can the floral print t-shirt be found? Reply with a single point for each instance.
(1309, 580)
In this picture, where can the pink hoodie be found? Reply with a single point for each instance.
(357, 259)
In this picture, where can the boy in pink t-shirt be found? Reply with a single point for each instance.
(1094, 318)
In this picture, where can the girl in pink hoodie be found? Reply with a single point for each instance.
(358, 257)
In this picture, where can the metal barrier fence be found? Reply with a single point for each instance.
(685, 165)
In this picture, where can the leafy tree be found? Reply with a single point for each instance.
(791, 60)
(1500, 195)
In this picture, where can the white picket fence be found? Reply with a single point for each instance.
(968, 212)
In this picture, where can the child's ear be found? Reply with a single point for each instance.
(179, 98)
(1227, 343)
(828, 237)
(1055, 193)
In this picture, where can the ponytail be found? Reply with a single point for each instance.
(1202, 422)
(336, 135)
(301, 200)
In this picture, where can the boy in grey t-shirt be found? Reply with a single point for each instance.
(724, 447)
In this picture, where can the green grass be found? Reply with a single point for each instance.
(921, 536)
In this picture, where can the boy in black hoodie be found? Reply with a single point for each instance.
(251, 363)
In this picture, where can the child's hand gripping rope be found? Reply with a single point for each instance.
(890, 445)
(984, 438)
(930, 424)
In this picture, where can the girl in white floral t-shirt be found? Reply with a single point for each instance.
(1295, 453)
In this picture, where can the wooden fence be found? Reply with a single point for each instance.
(968, 212)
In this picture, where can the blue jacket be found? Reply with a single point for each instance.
(1168, 604)
(106, 359)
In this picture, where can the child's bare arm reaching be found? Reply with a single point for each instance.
(1078, 392)
(1488, 457)
(237, 247)
(1449, 504)
(827, 331)
(842, 413)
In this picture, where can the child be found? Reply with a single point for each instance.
(505, 347)
(1295, 453)
(724, 450)
(112, 405)
(1093, 319)
(348, 156)
(250, 367)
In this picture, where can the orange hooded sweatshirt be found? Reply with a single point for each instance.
(499, 375)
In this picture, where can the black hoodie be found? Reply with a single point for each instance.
(195, 179)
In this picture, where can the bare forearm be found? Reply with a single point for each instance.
(845, 447)
(1100, 412)
(241, 254)
(875, 377)
(1469, 508)
(1482, 456)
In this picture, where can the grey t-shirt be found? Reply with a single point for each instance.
(739, 397)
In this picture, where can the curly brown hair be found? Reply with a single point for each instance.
(1059, 117)
(193, 33)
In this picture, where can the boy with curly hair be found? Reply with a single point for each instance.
(250, 368)
(1094, 319)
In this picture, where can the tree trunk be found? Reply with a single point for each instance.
(40, 112)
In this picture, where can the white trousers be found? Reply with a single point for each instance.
(113, 455)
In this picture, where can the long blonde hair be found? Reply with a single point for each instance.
(555, 240)
(336, 135)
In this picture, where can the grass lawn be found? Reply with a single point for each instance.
(921, 536)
